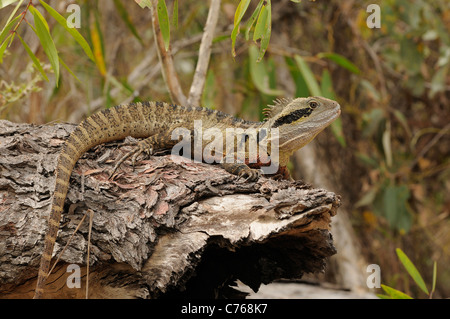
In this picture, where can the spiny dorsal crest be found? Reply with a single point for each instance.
(272, 110)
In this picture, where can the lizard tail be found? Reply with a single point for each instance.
(101, 127)
(71, 152)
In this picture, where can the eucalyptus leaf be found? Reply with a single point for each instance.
(164, 23)
(46, 40)
(308, 75)
(73, 31)
(33, 57)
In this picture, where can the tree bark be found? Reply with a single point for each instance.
(164, 229)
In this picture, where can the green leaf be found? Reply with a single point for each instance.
(395, 207)
(252, 19)
(310, 80)
(3, 48)
(265, 38)
(240, 11)
(5, 32)
(69, 70)
(301, 89)
(73, 31)
(340, 60)
(296, 1)
(394, 293)
(13, 13)
(433, 287)
(126, 19)
(261, 23)
(412, 270)
(4, 3)
(338, 132)
(35, 60)
(326, 85)
(259, 74)
(144, 3)
(164, 24)
(46, 41)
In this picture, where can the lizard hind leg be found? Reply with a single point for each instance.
(144, 146)
(161, 141)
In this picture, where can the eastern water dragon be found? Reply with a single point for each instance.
(297, 122)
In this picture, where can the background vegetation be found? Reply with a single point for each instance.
(390, 151)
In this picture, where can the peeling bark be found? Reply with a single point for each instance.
(166, 229)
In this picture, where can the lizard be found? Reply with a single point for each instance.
(298, 121)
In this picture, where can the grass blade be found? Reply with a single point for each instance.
(394, 293)
(412, 270)
(434, 278)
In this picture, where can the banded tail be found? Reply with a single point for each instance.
(107, 125)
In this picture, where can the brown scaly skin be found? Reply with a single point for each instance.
(298, 121)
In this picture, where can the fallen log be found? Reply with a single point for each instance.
(163, 229)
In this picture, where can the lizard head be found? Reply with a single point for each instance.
(300, 120)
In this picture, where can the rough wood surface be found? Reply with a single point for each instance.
(165, 229)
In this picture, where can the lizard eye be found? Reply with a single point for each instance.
(313, 104)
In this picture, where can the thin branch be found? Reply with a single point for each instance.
(204, 55)
(165, 58)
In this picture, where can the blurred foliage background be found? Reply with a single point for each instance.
(390, 150)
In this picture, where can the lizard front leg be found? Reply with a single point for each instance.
(242, 170)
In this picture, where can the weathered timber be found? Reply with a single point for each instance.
(166, 229)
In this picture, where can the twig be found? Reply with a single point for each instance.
(67, 244)
(91, 215)
(198, 82)
(427, 147)
(165, 58)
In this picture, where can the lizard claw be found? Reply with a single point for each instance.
(252, 175)
(134, 153)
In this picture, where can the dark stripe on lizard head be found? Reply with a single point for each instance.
(293, 116)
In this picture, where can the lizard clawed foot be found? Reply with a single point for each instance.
(135, 153)
(250, 175)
